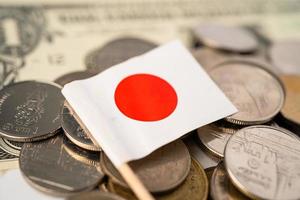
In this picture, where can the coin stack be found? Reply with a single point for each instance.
(65, 162)
(256, 151)
(258, 157)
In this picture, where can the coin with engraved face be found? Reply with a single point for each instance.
(285, 56)
(74, 131)
(96, 195)
(291, 108)
(195, 187)
(67, 78)
(163, 170)
(30, 111)
(50, 168)
(257, 93)
(221, 186)
(264, 162)
(235, 39)
(213, 138)
(115, 52)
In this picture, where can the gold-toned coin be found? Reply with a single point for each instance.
(126, 193)
(48, 167)
(221, 187)
(96, 195)
(291, 108)
(209, 172)
(195, 187)
(161, 171)
(256, 92)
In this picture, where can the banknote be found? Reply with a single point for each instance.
(45, 39)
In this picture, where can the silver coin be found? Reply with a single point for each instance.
(264, 162)
(161, 171)
(227, 127)
(115, 52)
(261, 60)
(235, 39)
(82, 155)
(74, 131)
(199, 152)
(285, 56)
(208, 57)
(50, 168)
(256, 92)
(4, 156)
(13, 144)
(7, 147)
(213, 138)
(30, 110)
(67, 78)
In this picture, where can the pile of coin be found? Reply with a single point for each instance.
(257, 158)
(57, 156)
(255, 153)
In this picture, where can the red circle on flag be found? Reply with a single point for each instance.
(145, 97)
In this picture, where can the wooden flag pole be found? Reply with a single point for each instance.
(134, 183)
(130, 177)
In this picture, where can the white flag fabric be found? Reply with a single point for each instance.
(137, 106)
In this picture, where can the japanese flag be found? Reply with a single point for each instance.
(146, 102)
